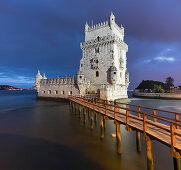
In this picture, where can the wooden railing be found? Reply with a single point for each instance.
(134, 116)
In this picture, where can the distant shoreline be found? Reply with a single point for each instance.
(171, 96)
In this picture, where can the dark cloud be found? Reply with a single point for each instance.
(46, 35)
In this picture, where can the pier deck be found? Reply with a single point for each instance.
(159, 127)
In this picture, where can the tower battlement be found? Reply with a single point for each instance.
(96, 26)
(103, 29)
(103, 40)
(69, 80)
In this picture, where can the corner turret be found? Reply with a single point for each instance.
(112, 19)
(37, 80)
(113, 73)
(44, 77)
(86, 28)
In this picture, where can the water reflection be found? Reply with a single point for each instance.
(49, 135)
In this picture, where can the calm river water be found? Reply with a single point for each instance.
(36, 134)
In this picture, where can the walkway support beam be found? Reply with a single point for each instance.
(149, 153)
(118, 136)
(138, 142)
(102, 126)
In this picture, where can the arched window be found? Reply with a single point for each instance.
(62, 92)
(49, 91)
(56, 92)
(70, 92)
(97, 74)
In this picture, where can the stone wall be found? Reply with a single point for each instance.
(58, 88)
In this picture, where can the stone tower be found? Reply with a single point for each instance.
(103, 65)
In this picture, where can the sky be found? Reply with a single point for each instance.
(46, 35)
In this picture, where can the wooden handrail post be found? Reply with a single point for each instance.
(115, 114)
(111, 105)
(172, 133)
(139, 109)
(94, 105)
(127, 114)
(176, 120)
(118, 107)
(144, 123)
(154, 113)
(89, 104)
(99, 107)
(106, 109)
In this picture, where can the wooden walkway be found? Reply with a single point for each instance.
(165, 129)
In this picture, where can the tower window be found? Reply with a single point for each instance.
(49, 91)
(98, 38)
(70, 92)
(81, 65)
(62, 92)
(96, 50)
(97, 74)
(56, 92)
(114, 72)
(80, 77)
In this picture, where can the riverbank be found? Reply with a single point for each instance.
(157, 95)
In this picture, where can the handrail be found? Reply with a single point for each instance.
(141, 112)
(166, 111)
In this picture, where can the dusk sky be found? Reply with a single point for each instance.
(46, 35)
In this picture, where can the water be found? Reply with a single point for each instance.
(37, 134)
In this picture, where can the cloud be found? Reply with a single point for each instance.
(163, 58)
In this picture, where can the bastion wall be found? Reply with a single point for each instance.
(58, 88)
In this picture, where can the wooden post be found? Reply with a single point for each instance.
(115, 114)
(154, 113)
(111, 105)
(176, 120)
(149, 153)
(144, 123)
(127, 114)
(176, 163)
(138, 141)
(91, 120)
(118, 108)
(84, 115)
(99, 108)
(173, 138)
(139, 114)
(102, 127)
(104, 121)
(106, 109)
(118, 136)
